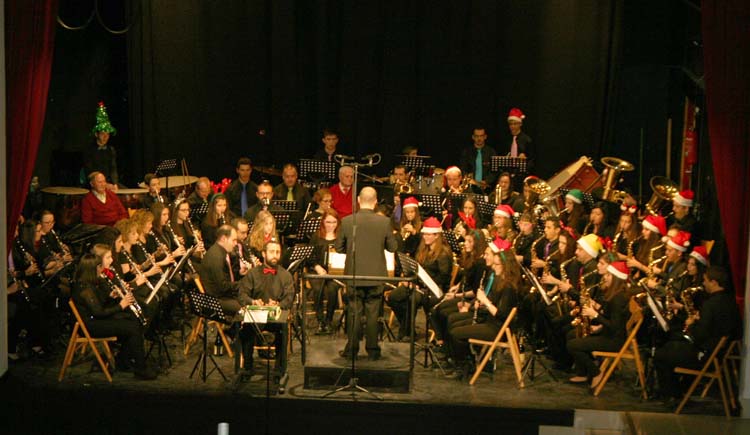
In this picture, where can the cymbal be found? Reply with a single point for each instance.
(267, 170)
(64, 190)
(177, 180)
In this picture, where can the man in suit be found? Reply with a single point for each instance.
(365, 256)
(291, 190)
(476, 160)
(216, 270)
(241, 193)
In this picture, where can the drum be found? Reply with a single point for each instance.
(579, 175)
(132, 198)
(433, 183)
(65, 203)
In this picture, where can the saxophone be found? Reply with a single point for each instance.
(630, 251)
(688, 296)
(670, 296)
(534, 255)
(564, 300)
(581, 322)
(615, 241)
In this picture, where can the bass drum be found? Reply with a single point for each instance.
(65, 204)
(579, 175)
(432, 183)
(132, 199)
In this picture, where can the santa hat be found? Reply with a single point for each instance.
(500, 245)
(515, 114)
(432, 226)
(680, 241)
(575, 195)
(410, 202)
(700, 254)
(504, 210)
(619, 269)
(591, 244)
(684, 198)
(655, 224)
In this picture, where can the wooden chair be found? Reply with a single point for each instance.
(198, 327)
(629, 350)
(707, 372)
(80, 339)
(729, 365)
(489, 347)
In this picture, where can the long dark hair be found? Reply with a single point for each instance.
(322, 228)
(86, 275)
(439, 247)
(212, 218)
(468, 259)
(156, 209)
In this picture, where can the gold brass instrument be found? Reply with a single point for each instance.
(630, 252)
(564, 297)
(615, 241)
(534, 255)
(670, 296)
(498, 194)
(615, 167)
(404, 186)
(581, 322)
(546, 269)
(664, 190)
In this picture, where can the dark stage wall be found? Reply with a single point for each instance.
(200, 79)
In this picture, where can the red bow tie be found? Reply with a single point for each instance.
(267, 270)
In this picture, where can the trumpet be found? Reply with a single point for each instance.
(122, 291)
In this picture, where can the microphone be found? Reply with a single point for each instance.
(371, 156)
(343, 157)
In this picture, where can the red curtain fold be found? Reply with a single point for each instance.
(726, 58)
(30, 36)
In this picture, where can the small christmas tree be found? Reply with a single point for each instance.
(102, 121)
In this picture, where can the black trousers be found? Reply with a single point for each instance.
(672, 354)
(463, 330)
(128, 331)
(580, 349)
(368, 303)
(400, 300)
(250, 338)
(439, 317)
(325, 295)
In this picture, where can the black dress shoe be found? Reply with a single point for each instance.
(345, 354)
(145, 373)
(374, 356)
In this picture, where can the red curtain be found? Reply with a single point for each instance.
(30, 36)
(726, 58)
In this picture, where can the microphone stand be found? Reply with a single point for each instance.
(353, 384)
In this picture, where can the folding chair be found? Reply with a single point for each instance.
(489, 347)
(198, 327)
(78, 342)
(629, 350)
(729, 366)
(714, 373)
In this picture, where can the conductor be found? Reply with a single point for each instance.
(365, 257)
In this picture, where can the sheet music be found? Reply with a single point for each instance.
(654, 309)
(428, 282)
(158, 285)
(255, 316)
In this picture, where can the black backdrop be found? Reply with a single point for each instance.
(200, 79)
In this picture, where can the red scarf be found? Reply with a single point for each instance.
(469, 220)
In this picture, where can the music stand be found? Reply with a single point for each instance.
(418, 164)
(486, 210)
(283, 220)
(198, 213)
(209, 308)
(162, 168)
(308, 226)
(515, 165)
(300, 253)
(428, 204)
(285, 205)
(452, 240)
(317, 171)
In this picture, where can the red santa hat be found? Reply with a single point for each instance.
(656, 224)
(515, 114)
(410, 202)
(619, 269)
(700, 254)
(500, 245)
(432, 226)
(504, 210)
(680, 241)
(684, 198)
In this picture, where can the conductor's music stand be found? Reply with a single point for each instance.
(209, 308)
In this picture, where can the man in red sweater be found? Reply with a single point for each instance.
(101, 206)
(341, 193)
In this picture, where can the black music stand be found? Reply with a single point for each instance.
(429, 205)
(198, 213)
(300, 253)
(208, 308)
(308, 226)
(317, 171)
(163, 168)
(514, 165)
(452, 240)
(418, 164)
(283, 204)
(486, 210)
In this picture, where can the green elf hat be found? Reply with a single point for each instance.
(102, 121)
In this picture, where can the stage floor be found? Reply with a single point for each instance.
(439, 399)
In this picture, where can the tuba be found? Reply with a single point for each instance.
(664, 190)
(615, 167)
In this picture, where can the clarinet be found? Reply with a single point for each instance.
(161, 244)
(149, 258)
(137, 269)
(196, 234)
(63, 247)
(30, 258)
(22, 286)
(122, 292)
(179, 245)
(475, 316)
